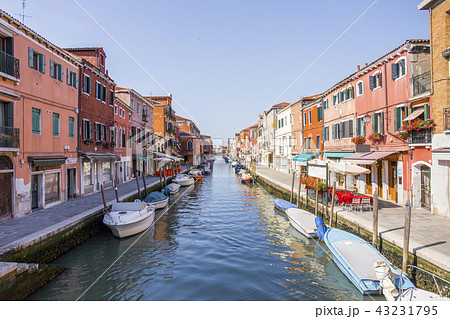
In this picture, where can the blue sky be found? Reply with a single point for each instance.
(226, 62)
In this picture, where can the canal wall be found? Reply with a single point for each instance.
(24, 263)
(390, 250)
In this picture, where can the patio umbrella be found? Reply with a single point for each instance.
(347, 169)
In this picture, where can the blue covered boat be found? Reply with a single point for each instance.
(358, 260)
(158, 199)
(282, 204)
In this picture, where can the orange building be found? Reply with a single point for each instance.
(38, 121)
(312, 118)
(164, 123)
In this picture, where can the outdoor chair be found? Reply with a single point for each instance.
(365, 202)
(354, 204)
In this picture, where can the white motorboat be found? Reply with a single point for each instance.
(303, 221)
(158, 199)
(171, 189)
(184, 180)
(127, 219)
(233, 163)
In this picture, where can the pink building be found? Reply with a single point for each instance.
(38, 121)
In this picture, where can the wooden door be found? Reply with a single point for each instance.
(34, 191)
(369, 182)
(425, 187)
(380, 181)
(393, 180)
(71, 183)
(5, 196)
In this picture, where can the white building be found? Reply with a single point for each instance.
(284, 139)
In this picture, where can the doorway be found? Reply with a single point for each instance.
(425, 187)
(71, 183)
(379, 180)
(35, 191)
(6, 198)
(393, 186)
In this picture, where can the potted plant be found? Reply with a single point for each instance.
(99, 142)
(358, 140)
(105, 144)
(87, 141)
(112, 143)
(376, 137)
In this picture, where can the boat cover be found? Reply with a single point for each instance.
(321, 227)
(282, 204)
(154, 197)
(128, 206)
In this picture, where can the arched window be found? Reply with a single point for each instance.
(375, 80)
(399, 68)
(359, 88)
(189, 145)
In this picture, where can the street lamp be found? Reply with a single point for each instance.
(366, 118)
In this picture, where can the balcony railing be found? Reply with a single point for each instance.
(421, 84)
(9, 65)
(447, 119)
(420, 137)
(9, 137)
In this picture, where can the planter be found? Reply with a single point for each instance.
(376, 137)
(358, 140)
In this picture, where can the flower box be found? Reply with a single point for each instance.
(376, 137)
(358, 140)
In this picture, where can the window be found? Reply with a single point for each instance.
(132, 104)
(106, 171)
(100, 132)
(304, 118)
(189, 145)
(378, 123)
(399, 115)
(318, 142)
(359, 88)
(346, 129)
(115, 109)
(36, 60)
(72, 78)
(86, 129)
(124, 138)
(320, 113)
(399, 68)
(325, 104)
(100, 91)
(86, 84)
(326, 133)
(129, 117)
(138, 108)
(309, 143)
(71, 127)
(335, 99)
(336, 134)
(111, 97)
(304, 142)
(52, 191)
(360, 127)
(36, 121)
(310, 117)
(56, 70)
(87, 173)
(349, 93)
(56, 126)
(342, 96)
(375, 80)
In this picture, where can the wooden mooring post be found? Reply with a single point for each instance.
(103, 196)
(164, 176)
(145, 185)
(138, 188)
(406, 235)
(375, 219)
(160, 178)
(333, 194)
(299, 188)
(316, 206)
(116, 190)
(292, 188)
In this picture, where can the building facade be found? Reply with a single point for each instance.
(122, 140)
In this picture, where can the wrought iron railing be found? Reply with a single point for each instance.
(9, 137)
(9, 65)
(447, 119)
(421, 83)
(420, 137)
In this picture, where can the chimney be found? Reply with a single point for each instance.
(359, 67)
(366, 63)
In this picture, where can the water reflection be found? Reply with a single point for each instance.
(221, 240)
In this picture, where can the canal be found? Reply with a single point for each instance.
(219, 240)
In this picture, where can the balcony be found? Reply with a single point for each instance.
(9, 137)
(420, 137)
(9, 65)
(144, 117)
(447, 119)
(421, 84)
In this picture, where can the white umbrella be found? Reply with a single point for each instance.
(347, 169)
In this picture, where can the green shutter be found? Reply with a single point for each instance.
(397, 119)
(52, 69)
(68, 76)
(427, 114)
(71, 127)
(358, 126)
(374, 123)
(55, 124)
(31, 57)
(36, 120)
(42, 63)
(60, 73)
(381, 122)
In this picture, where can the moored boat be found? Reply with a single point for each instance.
(302, 221)
(171, 189)
(283, 205)
(246, 178)
(184, 180)
(127, 219)
(158, 199)
(233, 163)
(357, 259)
(196, 174)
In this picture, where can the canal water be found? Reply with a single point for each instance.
(219, 240)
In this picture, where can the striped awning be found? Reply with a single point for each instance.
(414, 114)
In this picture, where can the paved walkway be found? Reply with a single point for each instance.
(38, 225)
(430, 234)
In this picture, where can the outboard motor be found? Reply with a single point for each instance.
(321, 227)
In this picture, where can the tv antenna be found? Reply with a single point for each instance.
(22, 15)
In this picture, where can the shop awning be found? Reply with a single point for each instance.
(38, 161)
(414, 114)
(101, 157)
(267, 153)
(173, 158)
(367, 158)
(338, 154)
(303, 157)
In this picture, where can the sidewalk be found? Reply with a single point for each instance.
(430, 234)
(33, 227)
